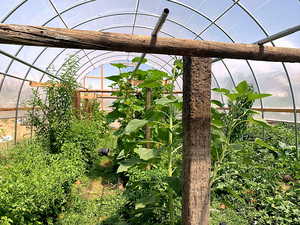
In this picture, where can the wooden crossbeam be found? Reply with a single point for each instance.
(42, 84)
(280, 110)
(85, 39)
(14, 109)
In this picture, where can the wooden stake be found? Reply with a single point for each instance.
(196, 144)
(84, 39)
(77, 103)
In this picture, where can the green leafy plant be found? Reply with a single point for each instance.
(162, 151)
(34, 184)
(229, 127)
(52, 118)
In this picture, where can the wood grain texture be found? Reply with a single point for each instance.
(196, 144)
(84, 39)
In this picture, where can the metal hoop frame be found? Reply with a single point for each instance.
(136, 13)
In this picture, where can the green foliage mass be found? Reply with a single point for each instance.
(254, 177)
(36, 178)
(34, 184)
(53, 117)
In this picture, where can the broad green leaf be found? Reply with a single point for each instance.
(121, 155)
(156, 75)
(154, 115)
(217, 103)
(127, 164)
(134, 125)
(261, 122)
(140, 74)
(164, 101)
(265, 145)
(115, 78)
(150, 84)
(242, 87)
(138, 59)
(119, 65)
(176, 184)
(145, 153)
(254, 96)
(217, 123)
(233, 97)
(221, 90)
(250, 111)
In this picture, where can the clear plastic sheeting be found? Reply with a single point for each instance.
(240, 21)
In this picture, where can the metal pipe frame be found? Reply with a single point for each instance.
(213, 22)
(158, 26)
(214, 77)
(65, 24)
(44, 24)
(286, 72)
(15, 77)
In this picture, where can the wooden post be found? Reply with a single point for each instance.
(77, 103)
(102, 85)
(196, 143)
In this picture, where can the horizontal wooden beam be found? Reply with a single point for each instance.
(96, 90)
(95, 77)
(41, 84)
(84, 39)
(14, 109)
(99, 96)
(282, 110)
(113, 91)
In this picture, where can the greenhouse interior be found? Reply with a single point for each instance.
(138, 112)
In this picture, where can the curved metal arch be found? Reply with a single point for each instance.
(285, 70)
(214, 77)
(65, 23)
(115, 27)
(137, 5)
(146, 14)
(169, 20)
(13, 10)
(127, 59)
(112, 56)
(95, 57)
(44, 24)
(19, 95)
(28, 71)
(213, 22)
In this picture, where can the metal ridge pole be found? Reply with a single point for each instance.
(158, 26)
(278, 35)
(273, 37)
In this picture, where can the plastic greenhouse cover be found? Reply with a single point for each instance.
(244, 21)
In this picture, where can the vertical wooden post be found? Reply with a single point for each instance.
(102, 85)
(196, 143)
(76, 102)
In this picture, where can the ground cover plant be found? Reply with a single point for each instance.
(59, 177)
(37, 176)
